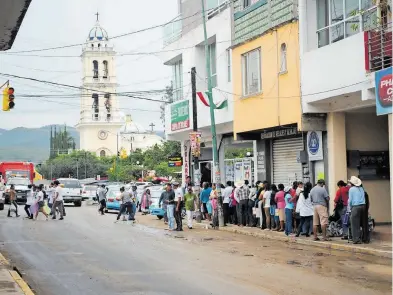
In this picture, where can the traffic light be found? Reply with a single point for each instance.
(118, 154)
(8, 99)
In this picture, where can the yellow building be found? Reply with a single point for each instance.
(272, 98)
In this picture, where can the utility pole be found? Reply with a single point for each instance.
(217, 174)
(197, 173)
(117, 156)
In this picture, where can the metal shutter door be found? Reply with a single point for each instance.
(286, 169)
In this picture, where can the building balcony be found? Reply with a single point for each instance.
(378, 48)
(172, 31)
(214, 7)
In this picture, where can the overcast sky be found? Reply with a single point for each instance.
(51, 23)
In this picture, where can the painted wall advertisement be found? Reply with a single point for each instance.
(242, 170)
(314, 145)
(229, 171)
(180, 118)
(238, 167)
(384, 91)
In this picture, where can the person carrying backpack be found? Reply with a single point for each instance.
(341, 204)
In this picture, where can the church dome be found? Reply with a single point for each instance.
(97, 33)
(131, 127)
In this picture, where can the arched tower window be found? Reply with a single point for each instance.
(95, 69)
(105, 63)
(102, 153)
(92, 45)
(99, 45)
(283, 66)
(95, 106)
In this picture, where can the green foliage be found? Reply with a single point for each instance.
(236, 153)
(155, 158)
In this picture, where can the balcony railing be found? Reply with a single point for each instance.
(172, 30)
(378, 48)
(101, 116)
(214, 7)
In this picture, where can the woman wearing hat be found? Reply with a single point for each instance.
(357, 204)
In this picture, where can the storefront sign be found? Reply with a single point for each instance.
(175, 161)
(261, 162)
(280, 133)
(180, 118)
(384, 91)
(314, 145)
(195, 140)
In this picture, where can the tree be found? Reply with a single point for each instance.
(236, 153)
(168, 98)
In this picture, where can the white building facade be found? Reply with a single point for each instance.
(100, 119)
(343, 43)
(184, 49)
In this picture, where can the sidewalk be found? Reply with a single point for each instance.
(10, 281)
(377, 248)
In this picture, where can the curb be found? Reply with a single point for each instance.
(16, 277)
(325, 245)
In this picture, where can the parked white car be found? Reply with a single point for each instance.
(72, 191)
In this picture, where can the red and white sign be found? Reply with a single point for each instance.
(385, 90)
(180, 125)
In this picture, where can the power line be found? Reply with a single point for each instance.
(78, 87)
(115, 37)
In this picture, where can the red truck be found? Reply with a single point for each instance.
(16, 169)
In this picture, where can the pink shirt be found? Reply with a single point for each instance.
(280, 199)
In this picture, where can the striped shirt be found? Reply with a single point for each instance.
(243, 193)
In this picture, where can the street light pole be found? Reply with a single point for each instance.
(117, 156)
(217, 174)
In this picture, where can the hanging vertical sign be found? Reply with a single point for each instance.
(238, 173)
(229, 171)
(186, 161)
(195, 140)
(247, 173)
(384, 91)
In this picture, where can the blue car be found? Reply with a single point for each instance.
(154, 207)
(113, 198)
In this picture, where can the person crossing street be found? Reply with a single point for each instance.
(126, 205)
(13, 201)
(101, 193)
(179, 196)
(58, 201)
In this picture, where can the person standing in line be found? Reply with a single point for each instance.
(305, 209)
(242, 194)
(320, 200)
(178, 206)
(163, 203)
(58, 201)
(170, 200)
(266, 205)
(357, 205)
(233, 207)
(213, 199)
(280, 200)
(189, 200)
(29, 201)
(205, 195)
(296, 219)
(251, 203)
(341, 205)
(101, 193)
(273, 208)
(227, 199)
(40, 202)
(187, 184)
(288, 211)
(13, 201)
(260, 215)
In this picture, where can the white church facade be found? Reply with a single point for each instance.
(102, 128)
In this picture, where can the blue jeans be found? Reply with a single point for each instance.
(288, 221)
(171, 217)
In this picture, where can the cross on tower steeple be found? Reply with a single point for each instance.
(97, 14)
(152, 127)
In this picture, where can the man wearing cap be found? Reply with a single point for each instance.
(320, 200)
(179, 196)
(357, 204)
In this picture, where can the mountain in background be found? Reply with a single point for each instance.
(32, 144)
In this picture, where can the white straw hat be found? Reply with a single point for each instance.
(355, 181)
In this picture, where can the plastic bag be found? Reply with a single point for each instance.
(46, 209)
(34, 208)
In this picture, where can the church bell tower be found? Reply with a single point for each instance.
(100, 119)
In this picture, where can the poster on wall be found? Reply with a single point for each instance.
(229, 171)
(247, 173)
(314, 145)
(238, 170)
(261, 162)
(384, 91)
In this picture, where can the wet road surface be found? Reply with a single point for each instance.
(89, 254)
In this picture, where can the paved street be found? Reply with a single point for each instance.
(89, 254)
